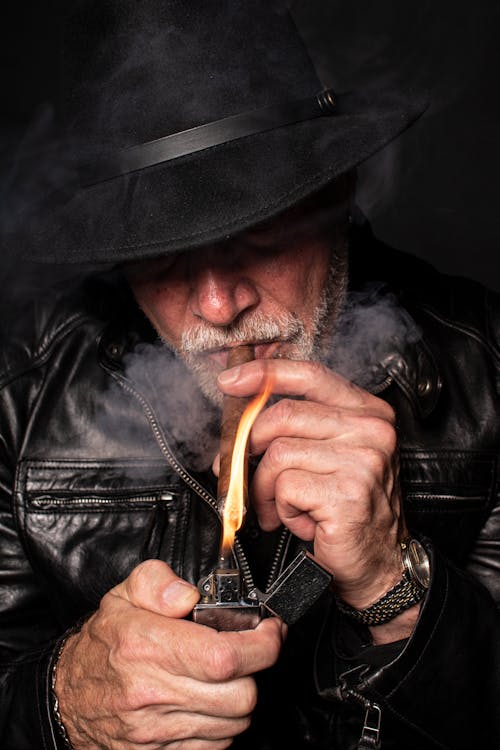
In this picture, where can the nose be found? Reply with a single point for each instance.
(221, 293)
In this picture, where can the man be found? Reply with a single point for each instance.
(110, 422)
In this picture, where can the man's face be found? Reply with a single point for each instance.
(277, 286)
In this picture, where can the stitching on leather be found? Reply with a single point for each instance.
(480, 456)
(462, 328)
(40, 355)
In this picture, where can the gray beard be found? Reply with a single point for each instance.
(256, 327)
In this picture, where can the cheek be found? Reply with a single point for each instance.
(298, 277)
(165, 308)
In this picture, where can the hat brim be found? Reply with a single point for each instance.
(214, 194)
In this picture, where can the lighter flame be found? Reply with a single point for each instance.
(234, 505)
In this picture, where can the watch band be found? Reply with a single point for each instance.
(402, 596)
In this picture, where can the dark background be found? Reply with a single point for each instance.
(432, 192)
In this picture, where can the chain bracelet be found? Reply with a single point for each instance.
(401, 597)
(55, 700)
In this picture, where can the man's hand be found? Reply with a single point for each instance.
(329, 472)
(139, 676)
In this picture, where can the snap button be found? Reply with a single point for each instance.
(423, 387)
(114, 350)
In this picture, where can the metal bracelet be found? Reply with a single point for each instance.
(56, 714)
(401, 597)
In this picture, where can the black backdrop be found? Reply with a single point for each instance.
(432, 192)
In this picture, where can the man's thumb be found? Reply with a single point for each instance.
(154, 586)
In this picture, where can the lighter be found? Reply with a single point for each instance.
(223, 605)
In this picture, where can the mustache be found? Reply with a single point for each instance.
(256, 328)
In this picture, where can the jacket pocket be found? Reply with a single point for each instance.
(447, 496)
(86, 524)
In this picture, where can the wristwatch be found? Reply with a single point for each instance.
(408, 591)
(416, 562)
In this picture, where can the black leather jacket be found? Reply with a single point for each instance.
(94, 478)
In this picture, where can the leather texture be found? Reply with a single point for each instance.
(95, 478)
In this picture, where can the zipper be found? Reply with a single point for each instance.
(279, 556)
(46, 501)
(189, 480)
(380, 387)
(370, 733)
(433, 496)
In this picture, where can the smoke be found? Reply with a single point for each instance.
(371, 328)
(190, 422)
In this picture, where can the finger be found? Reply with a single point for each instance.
(231, 699)
(295, 498)
(216, 465)
(162, 724)
(294, 418)
(186, 648)
(154, 586)
(310, 380)
(367, 467)
(198, 744)
(335, 501)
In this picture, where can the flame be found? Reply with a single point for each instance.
(234, 504)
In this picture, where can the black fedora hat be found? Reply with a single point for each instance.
(183, 123)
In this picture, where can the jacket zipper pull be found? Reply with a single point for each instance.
(370, 735)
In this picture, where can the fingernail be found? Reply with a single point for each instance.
(178, 593)
(227, 377)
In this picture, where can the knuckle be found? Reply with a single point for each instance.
(139, 735)
(352, 488)
(139, 579)
(375, 460)
(330, 530)
(127, 647)
(244, 723)
(388, 413)
(291, 490)
(385, 432)
(102, 628)
(133, 693)
(357, 490)
(317, 370)
(222, 661)
(284, 411)
(247, 696)
(278, 452)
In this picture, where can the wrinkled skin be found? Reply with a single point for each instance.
(328, 471)
(142, 677)
(139, 676)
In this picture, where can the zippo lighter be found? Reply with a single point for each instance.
(223, 607)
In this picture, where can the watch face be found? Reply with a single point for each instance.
(417, 563)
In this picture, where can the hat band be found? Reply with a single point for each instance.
(204, 136)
